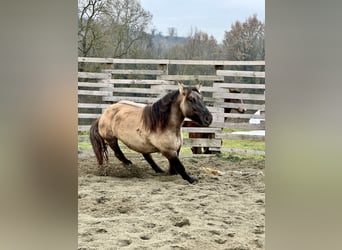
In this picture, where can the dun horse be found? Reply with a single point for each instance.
(149, 129)
(198, 150)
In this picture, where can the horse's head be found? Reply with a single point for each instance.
(192, 105)
(240, 108)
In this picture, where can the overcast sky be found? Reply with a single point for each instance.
(210, 16)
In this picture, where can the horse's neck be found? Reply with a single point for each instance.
(176, 117)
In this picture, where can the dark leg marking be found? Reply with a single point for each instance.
(172, 170)
(152, 163)
(118, 153)
(175, 164)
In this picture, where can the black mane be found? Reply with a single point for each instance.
(157, 115)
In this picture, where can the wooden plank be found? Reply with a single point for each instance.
(210, 78)
(245, 116)
(191, 77)
(134, 81)
(133, 72)
(96, 93)
(239, 151)
(88, 116)
(238, 73)
(243, 125)
(94, 75)
(244, 106)
(95, 84)
(147, 100)
(123, 61)
(217, 117)
(175, 87)
(202, 142)
(83, 128)
(237, 125)
(239, 137)
(227, 95)
(215, 109)
(200, 130)
(93, 105)
(215, 62)
(165, 87)
(239, 85)
(164, 61)
(137, 90)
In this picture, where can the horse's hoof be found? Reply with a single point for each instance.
(192, 180)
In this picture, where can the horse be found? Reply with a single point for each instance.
(150, 128)
(198, 150)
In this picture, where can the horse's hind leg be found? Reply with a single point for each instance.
(152, 163)
(117, 151)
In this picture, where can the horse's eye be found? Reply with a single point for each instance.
(191, 99)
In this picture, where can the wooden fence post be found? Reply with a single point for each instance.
(164, 68)
(109, 89)
(215, 84)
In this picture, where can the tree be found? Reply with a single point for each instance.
(172, 31)
(198, 46)
(89, 33)
(111, 28)
(245, 41)
(201, 46)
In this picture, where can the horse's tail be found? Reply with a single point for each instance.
(98, 143)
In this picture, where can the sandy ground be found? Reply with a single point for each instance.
(135, 208)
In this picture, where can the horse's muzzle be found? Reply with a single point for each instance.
(207, 119)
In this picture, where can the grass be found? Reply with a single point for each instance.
(240, 144)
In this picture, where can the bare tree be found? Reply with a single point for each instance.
(89, 33)
(110, 28)
(125, 24)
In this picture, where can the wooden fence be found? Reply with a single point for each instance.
(146, 80)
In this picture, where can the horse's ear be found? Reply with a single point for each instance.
(181, 88)
(198, 87)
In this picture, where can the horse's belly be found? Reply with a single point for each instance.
(167, 142)
(137, 141)
(140, 146)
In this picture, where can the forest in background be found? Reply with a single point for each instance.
(119, 29)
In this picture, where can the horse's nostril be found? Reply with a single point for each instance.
(208, 119)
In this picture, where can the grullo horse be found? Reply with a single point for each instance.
(151, 128)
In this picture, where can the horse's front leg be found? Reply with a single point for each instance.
(172, 170)
(175, 164)
(152, 163)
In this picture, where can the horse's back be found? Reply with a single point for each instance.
(123, 121)
(121, 112)
(134, 104)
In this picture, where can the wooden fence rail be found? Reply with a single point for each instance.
(97, 90)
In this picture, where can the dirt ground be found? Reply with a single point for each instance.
(135, 208)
